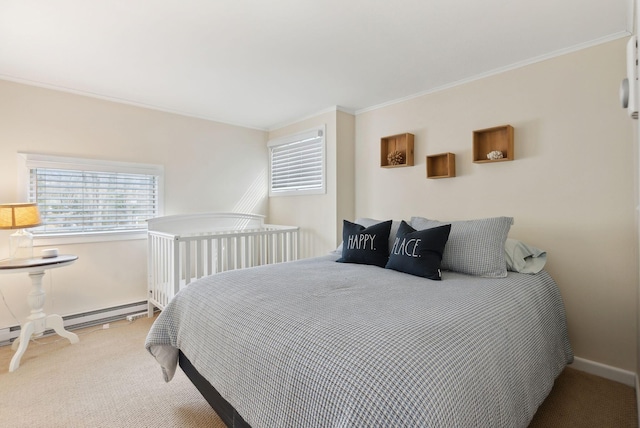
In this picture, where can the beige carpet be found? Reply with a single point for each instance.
(109, 380)
(106, 380)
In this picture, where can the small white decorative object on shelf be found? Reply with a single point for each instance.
(496, 154)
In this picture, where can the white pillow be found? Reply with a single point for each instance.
(523, 258)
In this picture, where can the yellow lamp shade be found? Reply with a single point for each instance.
(19, 216)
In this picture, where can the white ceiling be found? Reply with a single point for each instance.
(264, 63)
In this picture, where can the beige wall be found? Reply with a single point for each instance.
(208, 167)
(570, 189)
(320, 216)
(345, 173)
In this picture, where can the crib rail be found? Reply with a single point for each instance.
(174, 261)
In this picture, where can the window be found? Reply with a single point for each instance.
(297, 164)
(91, 197)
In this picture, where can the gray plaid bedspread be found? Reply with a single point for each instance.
(315, 343)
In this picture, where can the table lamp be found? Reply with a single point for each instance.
(20, 216)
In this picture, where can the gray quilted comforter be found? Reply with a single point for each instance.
(315, 343)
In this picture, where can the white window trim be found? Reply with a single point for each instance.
(310, 133)
(27, 161)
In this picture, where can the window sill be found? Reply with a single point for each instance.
(84, 238)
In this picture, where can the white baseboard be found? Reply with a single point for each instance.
(81, 320)
(638, 399)
(5, 335)
(608, 372)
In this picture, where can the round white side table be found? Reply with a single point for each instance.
(38, 321)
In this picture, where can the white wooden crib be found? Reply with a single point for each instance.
(183, 248)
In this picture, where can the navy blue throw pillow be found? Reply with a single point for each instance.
(419, 252)
(369, 246)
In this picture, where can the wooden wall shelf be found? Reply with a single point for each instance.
(487, 140)
(402, 143)
(442, 165)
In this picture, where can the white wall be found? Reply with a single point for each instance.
(570, 189)
(320, 216)
(208, 167)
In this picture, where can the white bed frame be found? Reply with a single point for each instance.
(183, 248)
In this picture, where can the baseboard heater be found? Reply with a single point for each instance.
(82, 320)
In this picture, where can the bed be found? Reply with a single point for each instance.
(317, 343)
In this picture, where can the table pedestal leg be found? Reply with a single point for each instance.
(55, 322)
(25, 335)
(37, 322)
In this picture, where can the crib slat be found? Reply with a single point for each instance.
(174, 259)
(219, 265)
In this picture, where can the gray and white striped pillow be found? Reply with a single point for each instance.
(475, 247)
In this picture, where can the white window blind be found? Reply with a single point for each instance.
(297, 164)
(74, 198)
